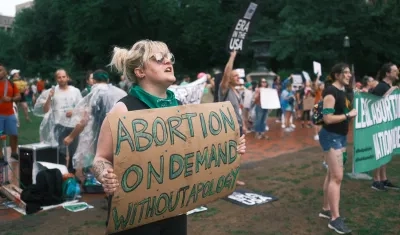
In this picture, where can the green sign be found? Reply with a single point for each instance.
(376, 130)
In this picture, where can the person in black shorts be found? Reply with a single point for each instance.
(149, 64)
(337, 112)
(388, 74)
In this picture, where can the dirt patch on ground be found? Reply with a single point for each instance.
(296, 179)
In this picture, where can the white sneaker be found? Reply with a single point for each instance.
(316, 137)
(266, 128)
(283, 126)
(292, 125)
(288, 129)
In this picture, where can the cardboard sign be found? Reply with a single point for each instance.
(308, 103)
(241, 28)
(248, 198)
(172, 160)
(269, 98)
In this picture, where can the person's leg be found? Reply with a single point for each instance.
(2, 132)
(11, 130)
(288, 116)
(259, 127)
(265, 121)
(387, 184)
(377, 182)
(24, 106)
(71, 150)
(334, 159)
(303, 118)
(59, 136)
(325, 189)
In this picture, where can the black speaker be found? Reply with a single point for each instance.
(30, 153)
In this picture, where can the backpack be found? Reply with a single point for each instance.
(318, 117)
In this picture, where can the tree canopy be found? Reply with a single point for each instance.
(80, 35)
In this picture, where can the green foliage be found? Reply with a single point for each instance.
(80, 35)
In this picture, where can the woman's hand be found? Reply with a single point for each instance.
(110, 182)
(242, 145)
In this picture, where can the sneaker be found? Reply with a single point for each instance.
(325, 165)
(339, 226)
(388, 185)
(293, 126)
(288, 129)
(316, 137)
(15, 156)
(325, 214)
(378, 186)
(266, 128)
(278, 121)
(283, 126)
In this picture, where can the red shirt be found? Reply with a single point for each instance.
(6, 108)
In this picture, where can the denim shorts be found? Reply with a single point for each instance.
(8, 124)
(329, 140)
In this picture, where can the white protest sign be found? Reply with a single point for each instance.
(269, 98)
(297, 79)
(317, 68)
(190, 93)
(306, 76)
(242, 28)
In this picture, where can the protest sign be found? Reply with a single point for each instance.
(190, 93)
(317, 68)
(243, 197)
(376, 130)
(269, 98)
(241, 28)
(171, 160)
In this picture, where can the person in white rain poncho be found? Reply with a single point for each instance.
(90, 113)
(56, 105)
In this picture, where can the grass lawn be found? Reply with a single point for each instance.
(296, 179)
(28, 132)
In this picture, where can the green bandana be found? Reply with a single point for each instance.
(88, 88)
(153, 101)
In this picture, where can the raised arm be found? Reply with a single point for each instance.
(227, 72)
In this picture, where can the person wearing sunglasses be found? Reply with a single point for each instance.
(148, 64)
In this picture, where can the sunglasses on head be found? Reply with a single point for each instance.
(159, 57)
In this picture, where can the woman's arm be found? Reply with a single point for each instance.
(104, 154)
(227, 72)
(329, 109)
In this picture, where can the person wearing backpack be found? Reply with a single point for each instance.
(337, 112)
(9, 94)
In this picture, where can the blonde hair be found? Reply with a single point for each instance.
(126, 62)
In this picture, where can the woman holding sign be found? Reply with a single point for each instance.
(149, 64)
(337, 113)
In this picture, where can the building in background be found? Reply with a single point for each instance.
(22, 6)
(6, 22)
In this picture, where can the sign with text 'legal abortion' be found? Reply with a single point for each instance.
(376, 130)
(241, 28)
(171, 160)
